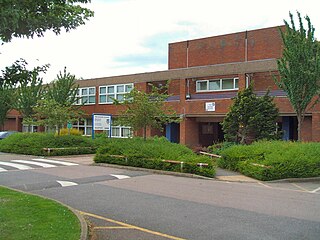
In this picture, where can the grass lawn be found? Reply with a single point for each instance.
(24, 216)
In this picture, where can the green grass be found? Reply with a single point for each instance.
(24, 216)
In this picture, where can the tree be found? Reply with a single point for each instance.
(145, 110)
(64, 89)
(20, 88)
(250, 118)
(26, 18)
(52, 114)
(299, 67)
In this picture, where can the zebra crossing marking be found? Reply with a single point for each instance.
(44, 165)
(16, 165)
(3, 170)
(54, 161)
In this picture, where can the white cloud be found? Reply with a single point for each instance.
(124, 29)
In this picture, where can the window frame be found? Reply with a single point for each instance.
(115, 92)
(88, 95)
(235, 79)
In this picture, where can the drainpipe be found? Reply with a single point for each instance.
(246, 47)
(187, 53)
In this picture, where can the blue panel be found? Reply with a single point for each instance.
(286, 128)
(168, 131)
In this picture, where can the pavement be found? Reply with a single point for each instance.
(105, 228)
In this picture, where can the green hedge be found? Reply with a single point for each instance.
(149, 154)
(273, 160)
(34, 143)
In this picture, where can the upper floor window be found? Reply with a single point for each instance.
(107, 94)
(86, 95)
(217, 84)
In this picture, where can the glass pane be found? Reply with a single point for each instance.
(92, 99)
(125, 132)
(78, 91)
(88, 131)
(89, 121)
(120, 97)
(102, 90)
(111, 89)
(103, 99)
(128, 88)
(236, 83)
(115, 132)
(227, 84)
(84, 91)
(202, 85)
(92, 91)
(214, 85)
(120, 88)
(110, 98)
(85, 100)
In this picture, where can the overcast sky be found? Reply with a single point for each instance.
(132, 36)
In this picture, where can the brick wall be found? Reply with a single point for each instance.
(261, 44)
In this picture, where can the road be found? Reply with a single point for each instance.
(124, 204)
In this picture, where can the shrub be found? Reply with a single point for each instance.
(149, 154)
(72, 131)
(33, 144)
(273, 160)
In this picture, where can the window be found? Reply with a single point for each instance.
(29, 128)
(107, 94)
(217, 84)
(84, 125)
(86, 95)
(120, 132)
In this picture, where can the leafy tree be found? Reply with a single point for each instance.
(250, 118)
(26, 18)
(52, 114)
(64, 89)
(6, 100)
(299, 67)
(20, 88)
(144, 110)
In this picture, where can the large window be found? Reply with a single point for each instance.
(217, 84)
(107, 94)
(120, 132)
(86, 95)
(84, 125)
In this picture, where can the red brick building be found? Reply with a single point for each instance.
(204, 75)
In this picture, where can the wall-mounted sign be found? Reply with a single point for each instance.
(101, 122)
(210, 106)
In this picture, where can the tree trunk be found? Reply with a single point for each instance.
(145, 133)
(300, 122)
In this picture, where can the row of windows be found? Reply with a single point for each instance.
(217, 84)
(107, 94)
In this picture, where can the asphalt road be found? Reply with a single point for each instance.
(125, 204)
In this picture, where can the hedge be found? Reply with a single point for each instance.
(34, 144)
(151, 153)
(273, 160)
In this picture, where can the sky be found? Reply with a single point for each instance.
(132, 36)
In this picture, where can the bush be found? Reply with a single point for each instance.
(72, 131)
(33, 144)
(273, 160)
(149, 154)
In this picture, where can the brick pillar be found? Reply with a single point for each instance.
(316, 126)
(242, 81)
(189, 132)
(306, 131)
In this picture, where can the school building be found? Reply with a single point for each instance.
(204, 75)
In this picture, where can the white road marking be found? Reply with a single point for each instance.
(3, 170)
(44, 165)
(316, 190)
(120, 176)
(16, 165)
(67, 183)
(54, 161)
